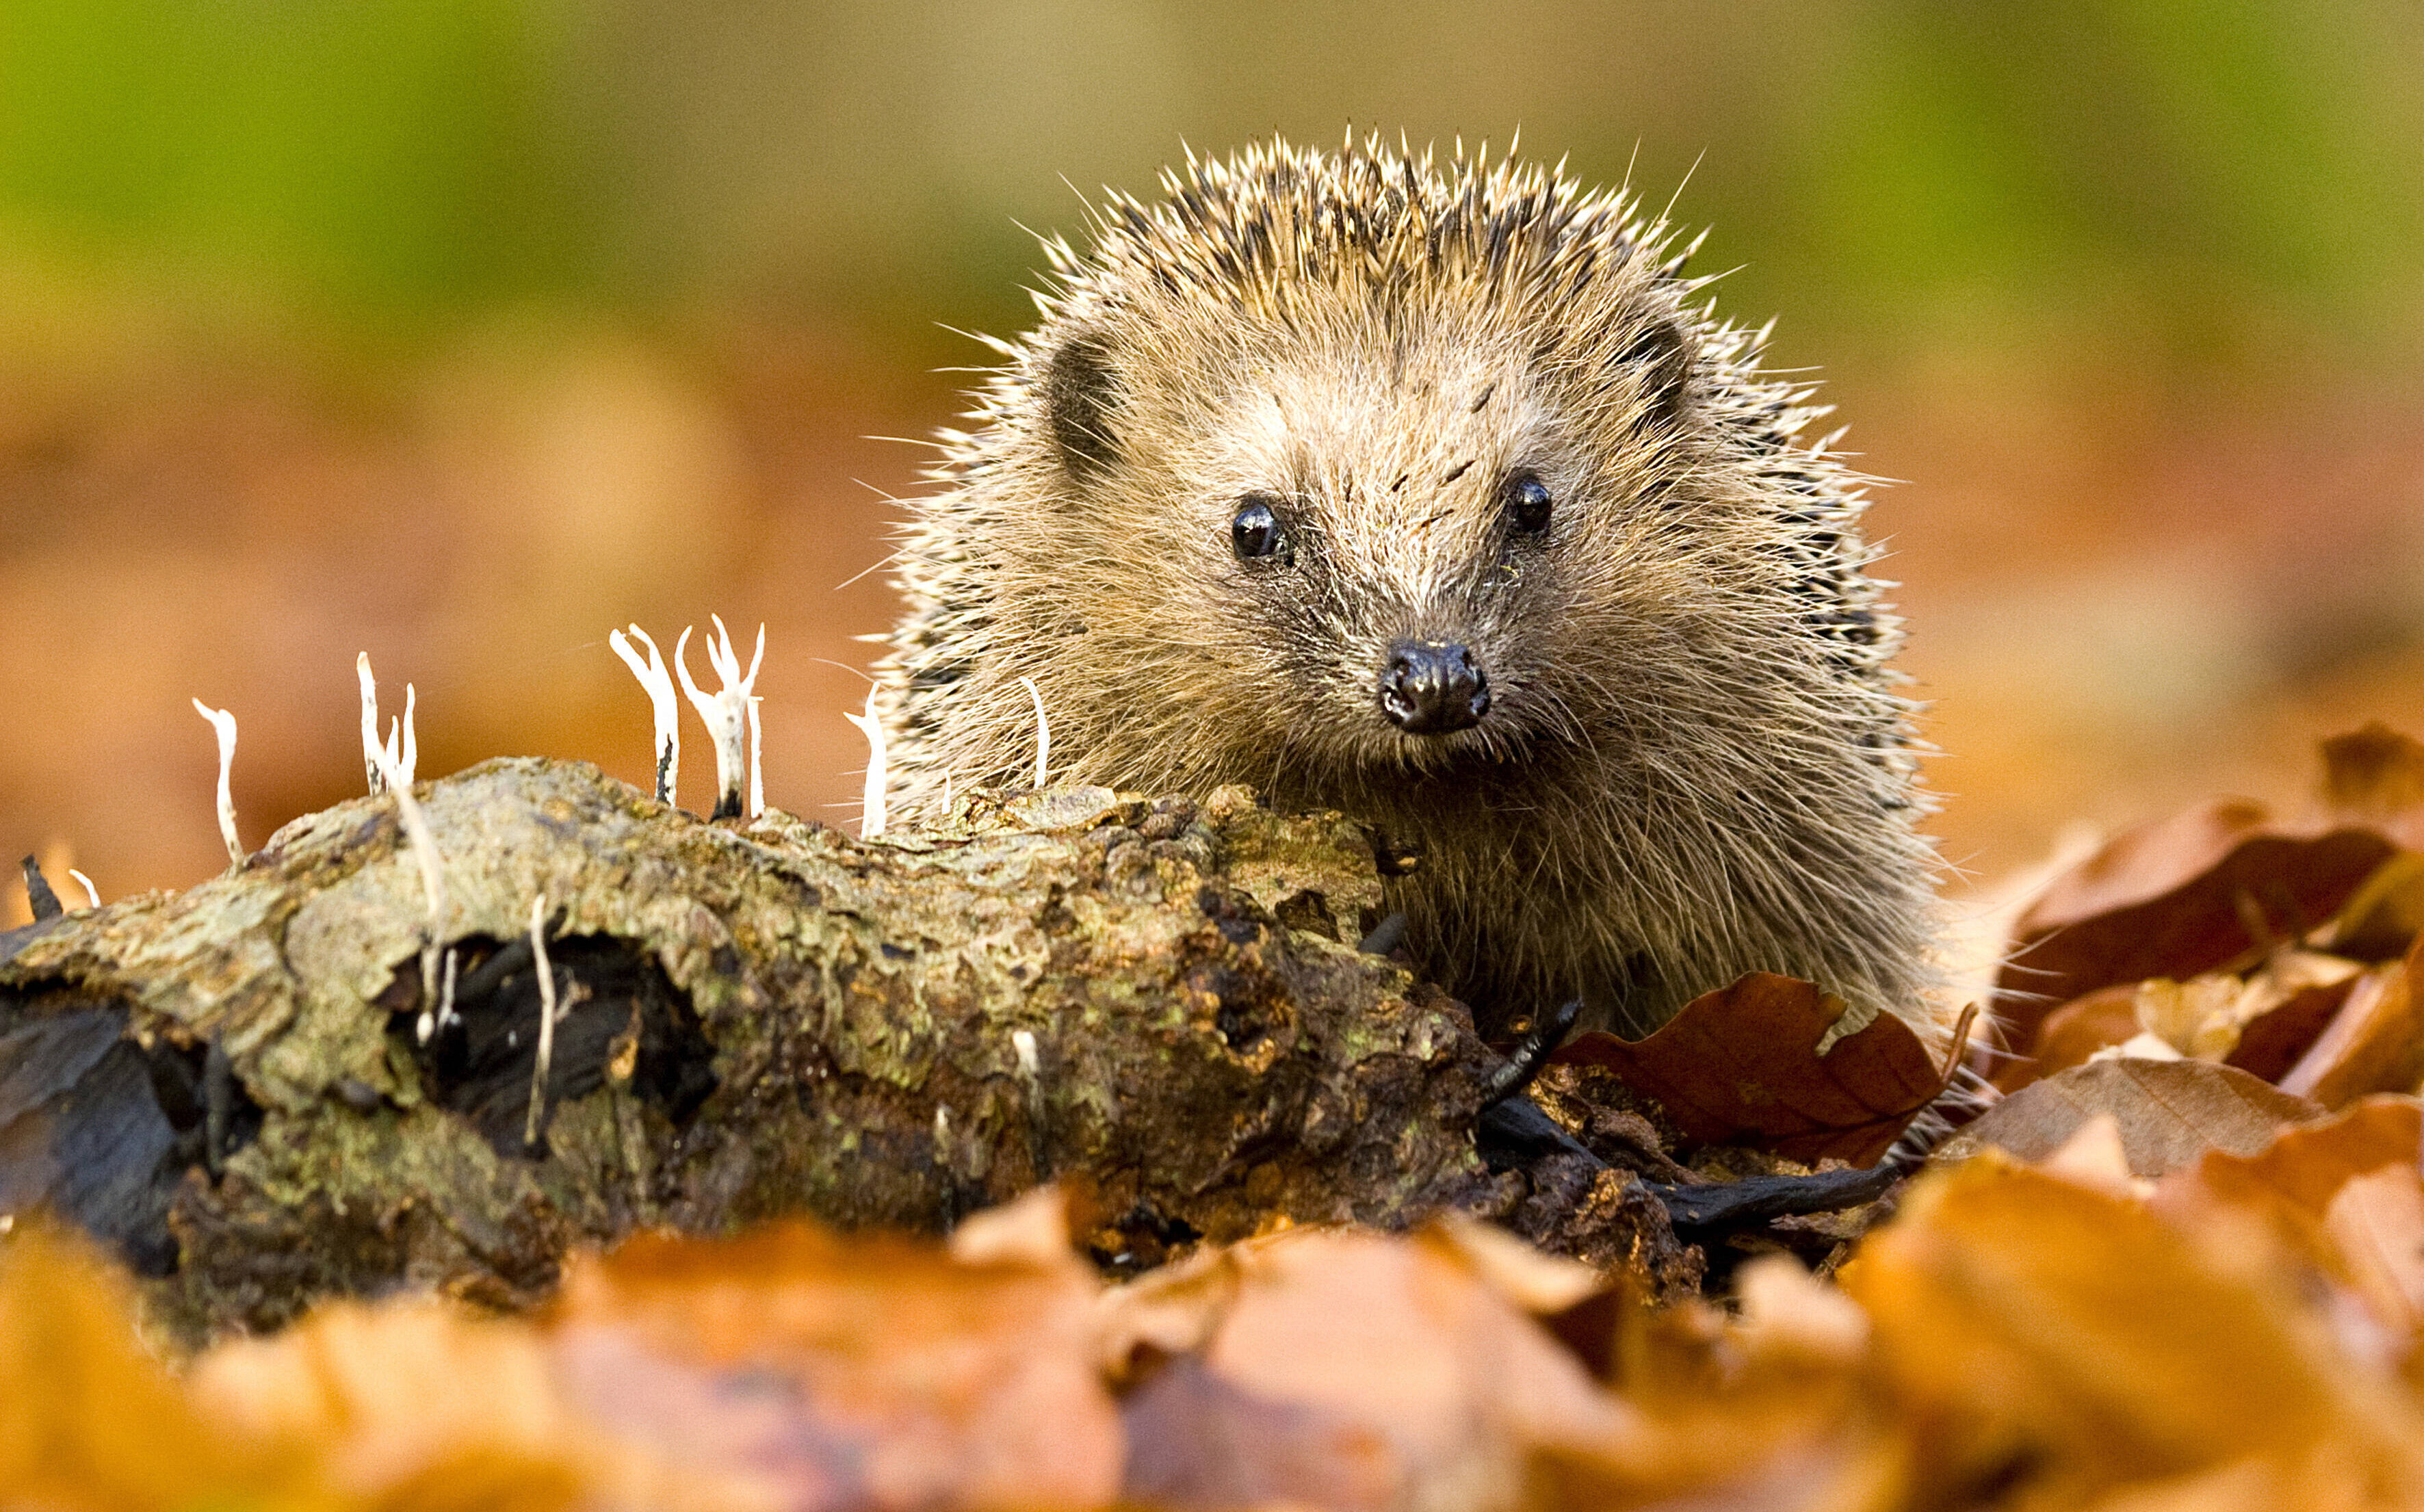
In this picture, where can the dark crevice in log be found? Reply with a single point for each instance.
(618, 1018)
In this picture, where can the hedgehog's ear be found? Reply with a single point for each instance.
(1662, 357)
(1081, 398)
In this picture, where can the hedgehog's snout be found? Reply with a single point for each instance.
(1433, 687)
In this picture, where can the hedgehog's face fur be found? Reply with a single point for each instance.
(1388, 540)
(1331, 475)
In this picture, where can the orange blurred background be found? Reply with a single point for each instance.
(461, 331)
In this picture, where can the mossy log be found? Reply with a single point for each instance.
(1161, 1000)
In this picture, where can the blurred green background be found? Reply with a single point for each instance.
(462, 330)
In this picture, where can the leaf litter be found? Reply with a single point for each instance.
(2178, 1263)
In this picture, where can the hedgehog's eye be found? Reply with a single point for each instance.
(1527, 502)
(1255, 531)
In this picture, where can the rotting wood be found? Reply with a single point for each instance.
(1161, 1000)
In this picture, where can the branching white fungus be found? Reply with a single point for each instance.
(659, 685)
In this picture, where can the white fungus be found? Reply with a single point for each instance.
(433, 876)
(659, 685)
(399, 746)
(90, 890)
(756, 770)
(411, 758)
(1043, 732)
(545, 1017)
(369, 724)
(870, 809)
(723, 713)
(224, 722)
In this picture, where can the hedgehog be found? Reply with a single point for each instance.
(1432, 492)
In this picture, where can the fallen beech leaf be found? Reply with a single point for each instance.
(2383, 917)
(1741, 1066)
(875, 1371)
(416, 1403)
(2176, 899)
(2073, 1033)
(2376, 1223)
(2344, 1191)
(2247, 1485)
(2374, 1044)
(1787, 1311)
(1167, 1311)
(2169, 1113)
(2062, 1343)
(1031, 1229)
(1540, 1283)
(87, 1419)
(2304, 1165)
(2375, 776)
(2207, 1016)
(1769, 1409)
(2194, 1016)
(1351, 1369)
(2095, 1157)
(2144, 1045)
(2272, 1041)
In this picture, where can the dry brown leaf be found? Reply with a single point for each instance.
(87, 1419)
(416, 1404)
(2095, 1157)
(1741, 1066)
(1031, 1229)
(2072, 1033)
(2207, 1017)
(2306, 1164)
(2058, 1343)
(2383, 917)
(2375, 777)
(2169, 1113)
(2344, 1191)
(2194, 1017)
(1540, 1283)
(2176, 899)
(869, 1371)
(1785, 1313)
(2374, 1044)
(2274, 1039)
(1170, 1311)
(2375, 1222)
(1350, 1369)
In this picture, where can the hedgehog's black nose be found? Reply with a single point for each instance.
(1433, 688)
